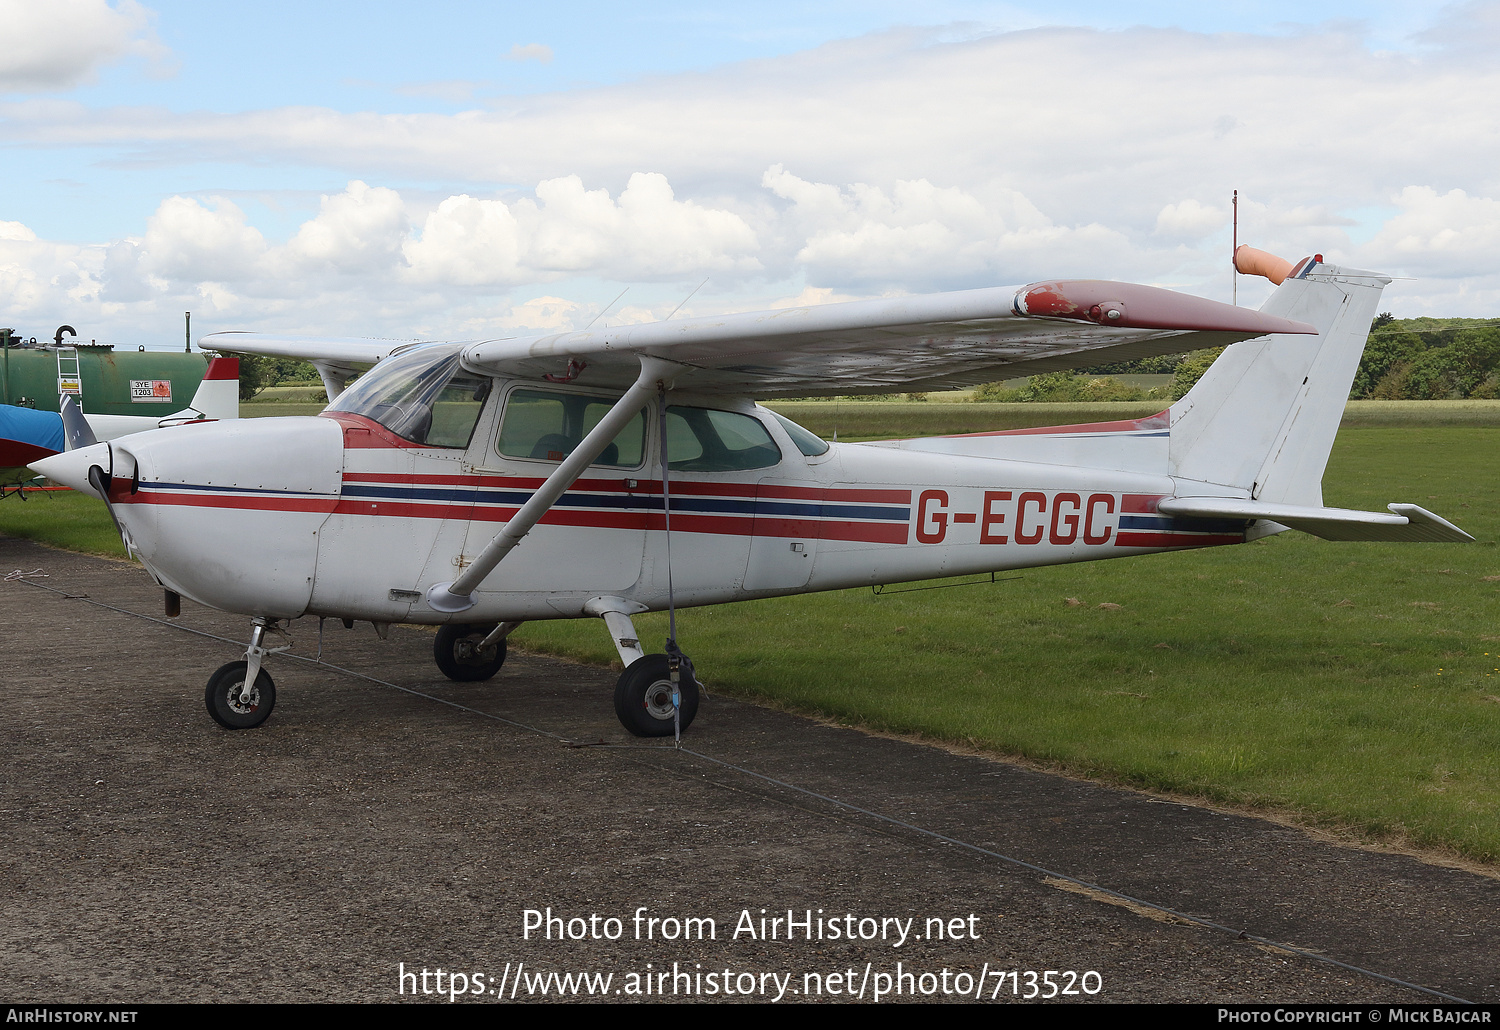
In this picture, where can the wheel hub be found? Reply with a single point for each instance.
(659, 700)
(469, 651)
(243, 707)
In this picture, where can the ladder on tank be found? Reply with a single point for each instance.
(69, 376)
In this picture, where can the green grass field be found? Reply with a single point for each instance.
(1351, 686)
(60, 519)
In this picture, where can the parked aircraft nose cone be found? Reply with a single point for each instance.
(71, 468)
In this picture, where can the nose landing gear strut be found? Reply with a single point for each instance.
(240, 695)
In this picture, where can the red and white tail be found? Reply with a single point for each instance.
(218, 396)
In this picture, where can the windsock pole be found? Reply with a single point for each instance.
(1234, 272)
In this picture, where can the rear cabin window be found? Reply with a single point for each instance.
(547, 426)
(709, 440)
(807, 442)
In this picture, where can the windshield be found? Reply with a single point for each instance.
(421, 395)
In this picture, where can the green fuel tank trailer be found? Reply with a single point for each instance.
(155, 383)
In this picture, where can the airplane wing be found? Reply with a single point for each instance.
(941, 341)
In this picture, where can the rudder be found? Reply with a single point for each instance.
(1263, 418)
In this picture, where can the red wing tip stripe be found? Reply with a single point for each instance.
(1133, 306)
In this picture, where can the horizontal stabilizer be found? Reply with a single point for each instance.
(1408, 523)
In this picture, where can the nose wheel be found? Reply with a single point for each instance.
(240, 695)
(231, 705)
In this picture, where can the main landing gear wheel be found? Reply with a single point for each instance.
(458, 654)
(643, 697)
(225, 703)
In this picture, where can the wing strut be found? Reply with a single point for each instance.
(457, 596)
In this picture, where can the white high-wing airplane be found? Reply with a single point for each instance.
(616, 471)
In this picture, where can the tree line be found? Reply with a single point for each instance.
(1404, 359)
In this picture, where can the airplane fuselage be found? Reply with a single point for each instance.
(339, 516)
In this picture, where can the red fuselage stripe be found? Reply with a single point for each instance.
(644, 487)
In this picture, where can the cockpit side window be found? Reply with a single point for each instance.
(547, 425)
(421, 395)
(457, 409)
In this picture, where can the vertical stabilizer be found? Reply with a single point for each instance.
(1262, 419)
(218, 396)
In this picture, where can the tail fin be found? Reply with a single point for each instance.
(1263, 417)
(218, 396)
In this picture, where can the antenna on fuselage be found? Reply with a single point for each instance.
(688, 297)
(606, 308)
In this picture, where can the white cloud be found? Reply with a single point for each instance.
(543, 313)
(466, 242)
(359, 231)
(529, 52)
(918, 234)
(1450, 235)
(57, 44)
(811, 297)
(1303, 215)
(41, 280)
(1190, 221)
(188, 241)
(16, 231)
(646, 234)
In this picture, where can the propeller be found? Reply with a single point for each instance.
(76, 429)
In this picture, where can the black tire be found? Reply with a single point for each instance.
(643, 697)
(223, 697)
(456, 651)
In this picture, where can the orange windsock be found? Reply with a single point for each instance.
(1257, 262)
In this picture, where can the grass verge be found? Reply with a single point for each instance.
(61, 518)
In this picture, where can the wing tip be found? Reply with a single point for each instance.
(1133, 306)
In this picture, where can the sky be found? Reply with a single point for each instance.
(472, 170)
